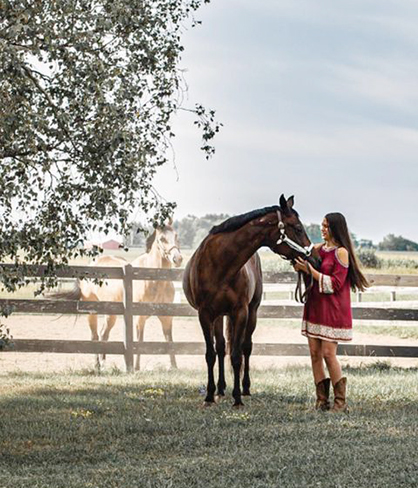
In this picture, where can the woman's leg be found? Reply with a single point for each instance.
(317, 359)
(329, 353)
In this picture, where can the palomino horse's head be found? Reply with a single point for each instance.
(166, 240)
(287, 236)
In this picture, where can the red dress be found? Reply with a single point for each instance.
(327, 313)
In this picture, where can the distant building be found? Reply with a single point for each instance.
(111, 244)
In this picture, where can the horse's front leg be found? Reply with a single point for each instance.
(140, 326)
(207, 328)
(167, 325)
(220, 351)
(238, 323)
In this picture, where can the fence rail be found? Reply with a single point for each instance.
(129, 309)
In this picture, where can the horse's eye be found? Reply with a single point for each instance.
(163, 239)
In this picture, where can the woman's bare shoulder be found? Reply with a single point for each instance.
(342, 255)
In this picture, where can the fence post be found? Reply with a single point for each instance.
(393, 296)
(129, 319)
(359, 296)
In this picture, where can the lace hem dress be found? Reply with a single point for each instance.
(327, 313)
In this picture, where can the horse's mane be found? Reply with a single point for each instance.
(234, 223)
(150, 241)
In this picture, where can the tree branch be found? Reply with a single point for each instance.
(28, 71)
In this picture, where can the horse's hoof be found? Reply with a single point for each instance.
(238, 406)
(218, 398)
(246, 393)
(208, 404)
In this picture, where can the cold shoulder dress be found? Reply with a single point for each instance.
(327, 313)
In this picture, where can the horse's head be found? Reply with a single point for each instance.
(287, 236)
(166, 240)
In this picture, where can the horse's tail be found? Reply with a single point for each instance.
(230, 340)
(73, 294)
(229, 335)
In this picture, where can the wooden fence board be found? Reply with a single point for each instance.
(198, 348)
(286, 277)
(185, 310)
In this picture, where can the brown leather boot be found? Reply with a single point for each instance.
(322, 395)
(340, 403)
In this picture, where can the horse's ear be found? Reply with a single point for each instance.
(290, 201)
(284, 204)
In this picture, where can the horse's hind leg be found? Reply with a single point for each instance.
(92, 320)
(110, 322)
(247, 348)
(210, 356)
(140, 325)
(167, 324)
(220, 351)
(238, 322)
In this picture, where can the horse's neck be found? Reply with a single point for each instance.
(241, 245)
(154, 258)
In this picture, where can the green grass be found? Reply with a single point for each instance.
(148, 430)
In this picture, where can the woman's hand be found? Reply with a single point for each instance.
(302, 265)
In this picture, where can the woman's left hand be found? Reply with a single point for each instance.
(301, 265)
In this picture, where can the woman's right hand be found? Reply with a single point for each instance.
(301, 265)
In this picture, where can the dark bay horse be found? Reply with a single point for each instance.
(223, 277)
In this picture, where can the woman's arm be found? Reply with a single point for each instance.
(327, 283)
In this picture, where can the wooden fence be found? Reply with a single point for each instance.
(129, 309)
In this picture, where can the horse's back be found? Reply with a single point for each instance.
(109, 290)
(108, 261)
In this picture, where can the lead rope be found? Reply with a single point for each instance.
(302, 296)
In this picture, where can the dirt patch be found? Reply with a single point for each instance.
(184, 330)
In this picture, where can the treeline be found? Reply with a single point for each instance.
(389, 243)
(192, 230)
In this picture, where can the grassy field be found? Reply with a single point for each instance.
(148, 430)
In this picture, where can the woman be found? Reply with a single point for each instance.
(327, 317)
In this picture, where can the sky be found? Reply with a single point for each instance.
(318, 99)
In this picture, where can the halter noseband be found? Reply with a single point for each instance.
(283, 239)
(166, 254)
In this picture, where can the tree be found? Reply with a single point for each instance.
(192, 230)
(314, 233)
(88, 89)
(397, 243)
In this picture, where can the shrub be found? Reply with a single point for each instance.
(368, 258)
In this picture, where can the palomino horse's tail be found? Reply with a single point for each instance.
(73, 294)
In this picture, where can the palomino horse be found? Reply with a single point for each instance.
(223, 277)
(162, 251)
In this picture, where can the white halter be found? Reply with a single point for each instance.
(283, 239)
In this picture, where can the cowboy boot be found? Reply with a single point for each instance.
(340, 403)
(322, 395)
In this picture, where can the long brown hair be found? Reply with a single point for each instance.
(340, 234)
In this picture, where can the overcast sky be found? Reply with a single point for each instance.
(319, 99)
